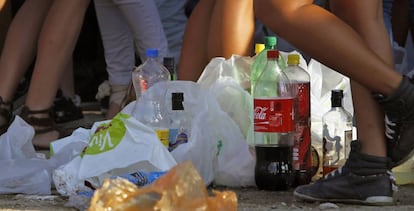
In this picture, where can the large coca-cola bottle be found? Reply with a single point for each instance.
(273, 127)
(302, 160)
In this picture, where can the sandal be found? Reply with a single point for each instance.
(41, 125)
(5, 115)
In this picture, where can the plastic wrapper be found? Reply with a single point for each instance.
(182, 188)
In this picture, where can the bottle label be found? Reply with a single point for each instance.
(274, 115)
(163, 135)
(302, 144)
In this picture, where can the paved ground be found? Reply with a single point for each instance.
(249, 199)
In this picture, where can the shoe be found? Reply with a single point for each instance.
(65, 110)
(5, 115)
(399, 121)
(363, 179)
(41, 125)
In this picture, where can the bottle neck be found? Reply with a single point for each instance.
(336, 103)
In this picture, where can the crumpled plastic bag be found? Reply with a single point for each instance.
(24, 171)
(215, 146)
(182, 188)
(118, 146)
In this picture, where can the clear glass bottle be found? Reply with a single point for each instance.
(337, 133)
(302, 160)
(149, 73)
(273, 127)
(179, 127)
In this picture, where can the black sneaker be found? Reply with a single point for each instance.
(66, 111)
(364, 179)
(399, 122)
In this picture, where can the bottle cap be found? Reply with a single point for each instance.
(152, 53)
(273, 54)
(293, 59)
(336, 97)
(177, 99)
(270, 41)
(259, 47)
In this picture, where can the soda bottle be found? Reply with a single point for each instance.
(149, 73)
(273, 127)
(179, 127)
(302, 160)
(261, 59)
(169, 63)
(337, 134)
(259, 47)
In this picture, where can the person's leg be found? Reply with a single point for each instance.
(55, 47)
(366, 18)
(18, 52)
(20, 45)
(119, 50)
(145, 23)
(341, 45)
(400, 21)
(325, 32)
(193, 57)
(228, 28)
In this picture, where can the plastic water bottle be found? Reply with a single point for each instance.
(143, 77)
(302, 160)
(273, 127)
(149, 73)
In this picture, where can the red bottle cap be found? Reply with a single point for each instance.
(273, 54)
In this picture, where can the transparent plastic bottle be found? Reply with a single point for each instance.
(302, 154)
(337, 133)
(149, 73)
(179, 127)
(157, 119)
(273, 127)
(169, 63)
(260, 60)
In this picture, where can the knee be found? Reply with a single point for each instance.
(270, 15)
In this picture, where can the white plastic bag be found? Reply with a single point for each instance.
(23, 170)
(215, 144)
(118, 146)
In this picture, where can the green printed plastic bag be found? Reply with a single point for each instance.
(123, 144)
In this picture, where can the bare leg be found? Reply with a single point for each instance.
(362, 64)
(400, 21)
(55, 47)
(20, 45)
(325, 32)
(366, 18)
(226, 25)
(67, 83)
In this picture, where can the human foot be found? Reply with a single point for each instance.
(5, 115)
(399, 111)
(364, 179)
(44, 125)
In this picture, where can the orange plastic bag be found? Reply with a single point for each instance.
(182, 188)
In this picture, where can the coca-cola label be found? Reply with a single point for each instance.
(274, 115)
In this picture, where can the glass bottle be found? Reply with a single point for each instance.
(337, 133)
(179, 127)
(302, 160)
(273, 127)
(169, 63)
